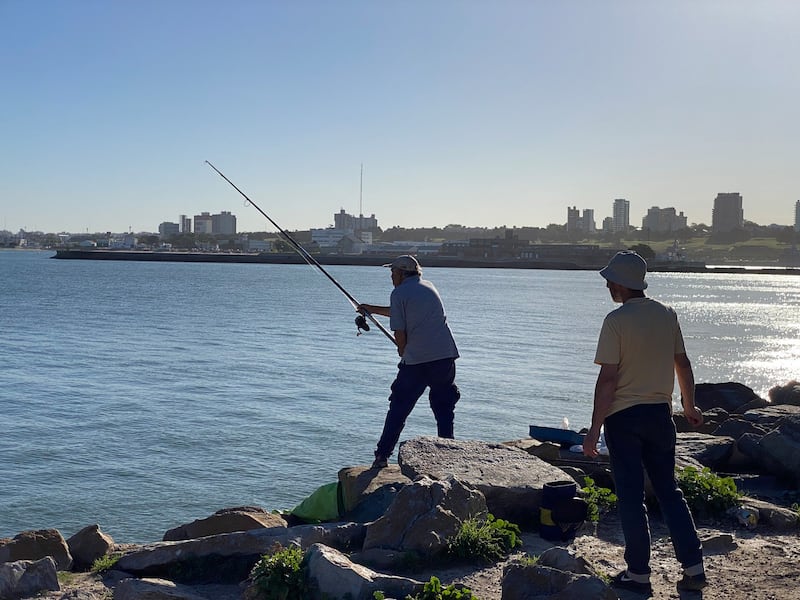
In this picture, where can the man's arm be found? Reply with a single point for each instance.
(683, 369)
(373, 309)
(604, 390)
(401, 339)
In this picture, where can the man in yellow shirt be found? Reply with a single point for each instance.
(639, 351)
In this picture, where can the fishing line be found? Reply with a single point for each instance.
(361, 322)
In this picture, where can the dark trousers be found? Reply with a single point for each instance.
(407, 388)
(643, 438)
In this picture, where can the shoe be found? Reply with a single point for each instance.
(692, 583)
(623, 582)
(380, 462)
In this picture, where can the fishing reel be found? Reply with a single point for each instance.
(361, 324)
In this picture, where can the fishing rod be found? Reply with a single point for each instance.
(361, 323)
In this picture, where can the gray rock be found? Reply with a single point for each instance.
(239, 551)
(535, 582)
(37, 544)
(719, 544)
(780, 449)
(786, 394)
(729, 396)
(771, 515)
(153, 589)
(424, 515)
(736, 426)
(563, 559)
(367, 493)
(509, 478)
(711, 451)
(226, 520)
(769, 417)
(332, 575)
(88, 545)
(26, 578)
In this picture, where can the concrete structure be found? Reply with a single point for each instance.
(728, 214)
(584, 223)
(797, 216)
(621, 215)
(223, 223)
(203, 223)
(185, 224)
(166, 229)
(342, 220)
(663, 220)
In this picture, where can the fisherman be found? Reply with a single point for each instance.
(427, 352)
(639, 352)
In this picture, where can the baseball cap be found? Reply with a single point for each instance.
(405, 262)
(626, 269)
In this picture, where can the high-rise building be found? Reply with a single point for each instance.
(342, 220)
(202, 223)
(224, 223)
(166, 229)
(663, 220)
(727, 214)
(573, 218)
(185, 224)
(588, 220)
(621, 215)
(576, 222)
(797, 216)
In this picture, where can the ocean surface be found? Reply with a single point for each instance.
(141, 396)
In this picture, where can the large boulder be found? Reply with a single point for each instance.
(332, 575)
(711, 451)
(35, 545)
(227, 520)
(26, 578)
(367, 492)
(557, 575)
(786, 394)
(153, 589)
(732, 397)
(780, 449)
(88, 545)
(424, 516)
(509, 478)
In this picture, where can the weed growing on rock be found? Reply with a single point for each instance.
(105, 563)
(433, 590)
(488, 539)
(599, 500)
(280, 575)
(706, 493)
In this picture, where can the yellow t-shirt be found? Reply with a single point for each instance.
(642, 337)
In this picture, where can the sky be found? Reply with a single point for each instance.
(478, 113)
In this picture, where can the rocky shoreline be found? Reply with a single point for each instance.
(410, 510)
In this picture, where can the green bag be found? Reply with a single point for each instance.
(325, 504)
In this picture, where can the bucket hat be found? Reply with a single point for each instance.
(626, 269)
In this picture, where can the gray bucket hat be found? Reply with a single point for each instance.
(626, 269)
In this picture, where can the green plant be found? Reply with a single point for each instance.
(105, 563)
(489, 539)
(433, 590)
(599, 500)
(707, 493)
(280, 575)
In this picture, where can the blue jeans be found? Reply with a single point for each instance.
(408, 386)
(644, 436)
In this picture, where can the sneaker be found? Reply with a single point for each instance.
(692, 583)
(624, 582)
(380, 462)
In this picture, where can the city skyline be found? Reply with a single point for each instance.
(482, 114)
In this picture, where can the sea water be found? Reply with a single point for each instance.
(141, 396)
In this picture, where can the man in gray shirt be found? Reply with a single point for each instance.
(427, 354)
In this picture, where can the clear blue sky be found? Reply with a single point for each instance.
(481, 113)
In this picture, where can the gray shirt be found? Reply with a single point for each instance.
(416, 308)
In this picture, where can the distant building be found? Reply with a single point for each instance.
(797, 216)
(185, 224)
(621, 215)
(166, 229)
(584, 223)
(727, 214)
(202, 223)
(223, 223)
(663, 220)
(342, 220)
(608, 224)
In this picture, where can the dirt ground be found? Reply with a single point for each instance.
(749, 565)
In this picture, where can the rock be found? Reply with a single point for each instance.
(37, 544)
(736, 426)
(712, 419)
(780, 449)
(719, 544)
(771, 515)
(709, 450)
(536, 582)
(509, 478)
(786, 394)
(88, 545)
(153, 589)
(769, 417)
(229, 557)
(424, 515)
(227, 520)
(566, 560)
(367, 493)
(26, 578)
(729, 396)
(332, 575)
